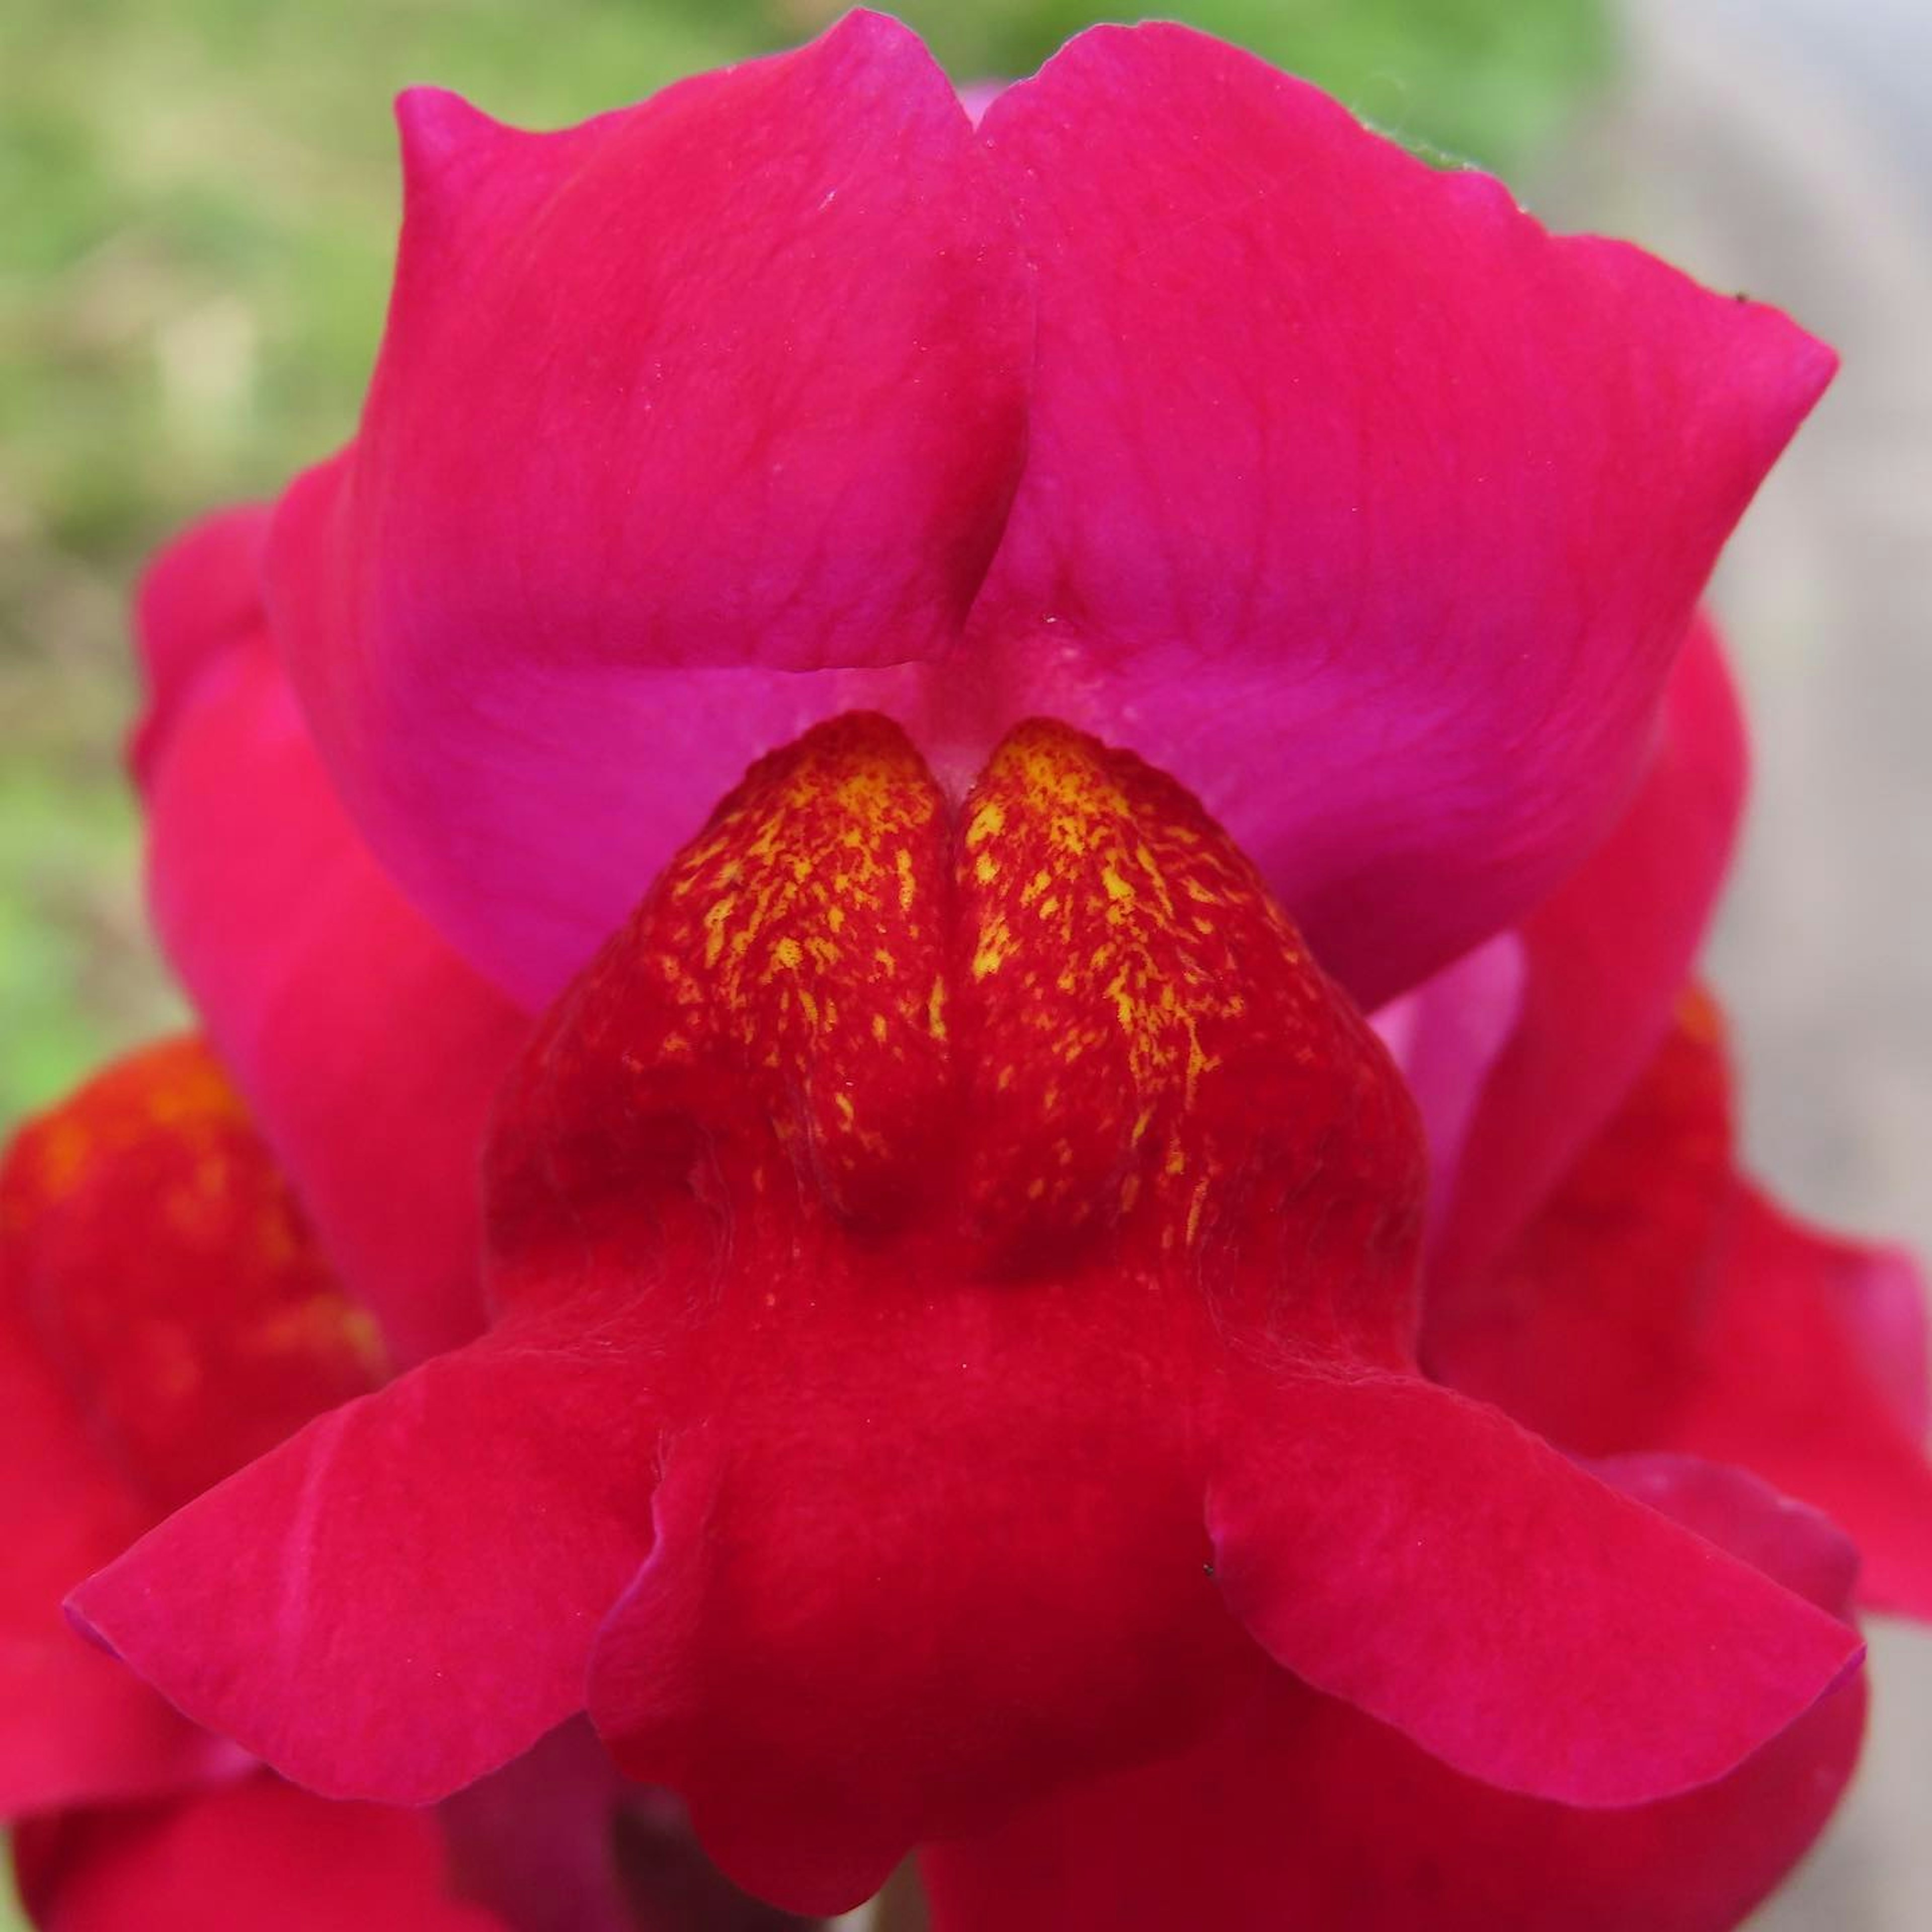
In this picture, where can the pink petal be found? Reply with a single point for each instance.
(681, 415)
(1420, 1556)
(1352, 498)
(403, 1596)
(259, 1854)
(1308, 1814)
(369, 1051)
(1446, 1036)
(200, 599)
(1787, 1389)
(1607, 956)
(1882, 1301)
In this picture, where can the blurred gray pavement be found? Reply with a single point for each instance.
(1784, 147)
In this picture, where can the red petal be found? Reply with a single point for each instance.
(1352, 498)
(1605, 957)
(766, 1210)
(728, 384)
(1655, 1303)
(403, 1596)
(155, 1255)
(1308, 1813)
(257, 1854)
(369, 1051)
(1881, 1300)
(164, 1316)
(1787, 1388)
(920, 1567)
(74, 1726)
(1423, 1558)
(1586, 1330)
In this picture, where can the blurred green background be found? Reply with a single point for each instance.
(197, 205)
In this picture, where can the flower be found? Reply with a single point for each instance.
(940, 1329)
(1659, 1298)
(166, 1316)
(956, 1300)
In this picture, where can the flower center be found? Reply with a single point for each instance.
(1067, 1023)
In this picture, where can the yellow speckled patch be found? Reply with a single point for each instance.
(1117, 939)
(806, 930)
(1074, 1005)
(151, 1244)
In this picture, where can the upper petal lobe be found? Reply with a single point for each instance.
(682, 415)
(1352, 497)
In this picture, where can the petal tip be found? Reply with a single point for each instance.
(445, 141)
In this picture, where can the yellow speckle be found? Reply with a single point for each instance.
(935, 1009)
(995, 947)
(1194, 1208)
(788, 955)
(717, 916)
(989, 822)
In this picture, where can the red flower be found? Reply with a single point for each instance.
(952, 1274)
(954, 1282)
(1599, 1266)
